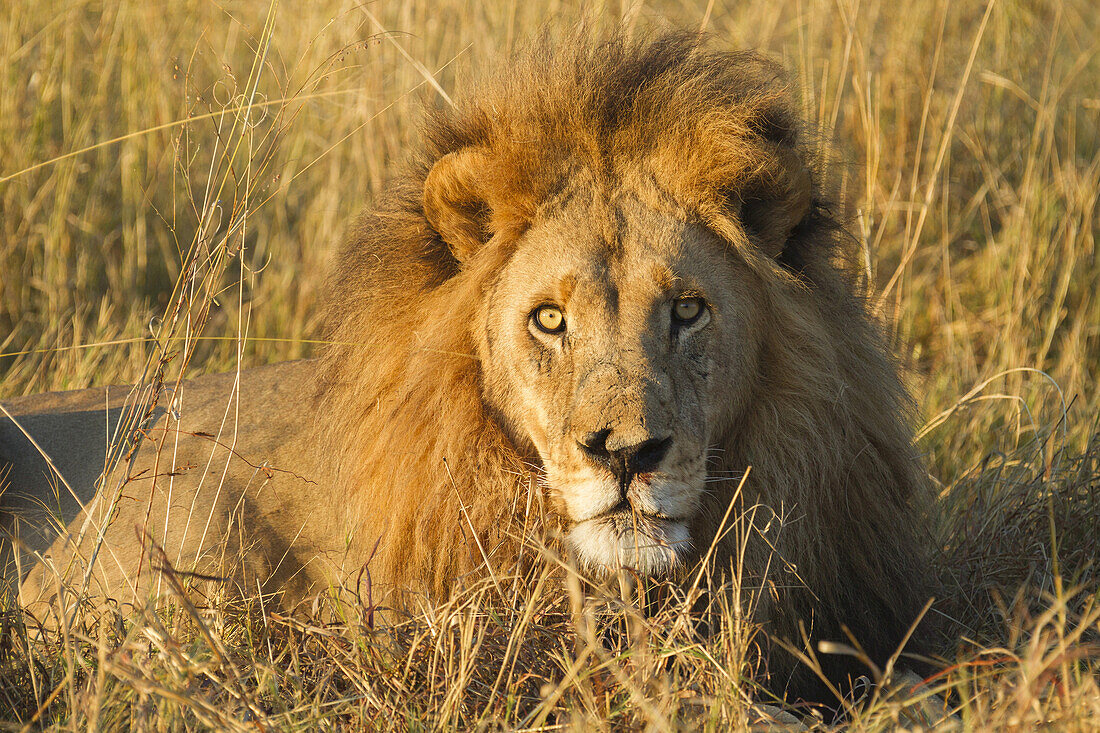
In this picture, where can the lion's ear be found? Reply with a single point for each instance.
(456, 203)
(776, 200)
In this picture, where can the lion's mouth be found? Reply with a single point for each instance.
(625, 516)
(626, 538)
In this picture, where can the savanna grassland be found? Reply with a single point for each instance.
(174, 177)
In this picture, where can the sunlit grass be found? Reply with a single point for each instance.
(173, 178)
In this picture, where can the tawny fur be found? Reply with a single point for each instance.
(826, 430)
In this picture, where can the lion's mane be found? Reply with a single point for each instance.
(828, 437)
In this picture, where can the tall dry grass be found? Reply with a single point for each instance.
(174, 176)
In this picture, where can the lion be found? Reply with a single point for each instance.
(611, 281)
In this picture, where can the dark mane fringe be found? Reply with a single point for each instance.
(828, 435)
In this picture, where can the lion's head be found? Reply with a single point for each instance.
(612, 267)
(620, 341)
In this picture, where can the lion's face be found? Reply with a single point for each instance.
(620, 347)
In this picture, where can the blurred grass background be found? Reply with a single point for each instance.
(174, 177)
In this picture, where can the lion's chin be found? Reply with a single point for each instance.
(606, 543)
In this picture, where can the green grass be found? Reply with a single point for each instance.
(173, 178)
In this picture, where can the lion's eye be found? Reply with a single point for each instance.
(549, 319)
(686, 310)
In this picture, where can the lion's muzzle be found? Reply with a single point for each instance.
(628, 511)
(628, 480)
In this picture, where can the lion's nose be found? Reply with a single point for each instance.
(626, 462)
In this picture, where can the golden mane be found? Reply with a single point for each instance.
(827, 435)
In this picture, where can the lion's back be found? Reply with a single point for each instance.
(232, 467)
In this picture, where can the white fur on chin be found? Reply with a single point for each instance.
(600, 546)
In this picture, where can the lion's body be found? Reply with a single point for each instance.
(207, 489)
(609, 283)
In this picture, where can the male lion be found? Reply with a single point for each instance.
(612, 267)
